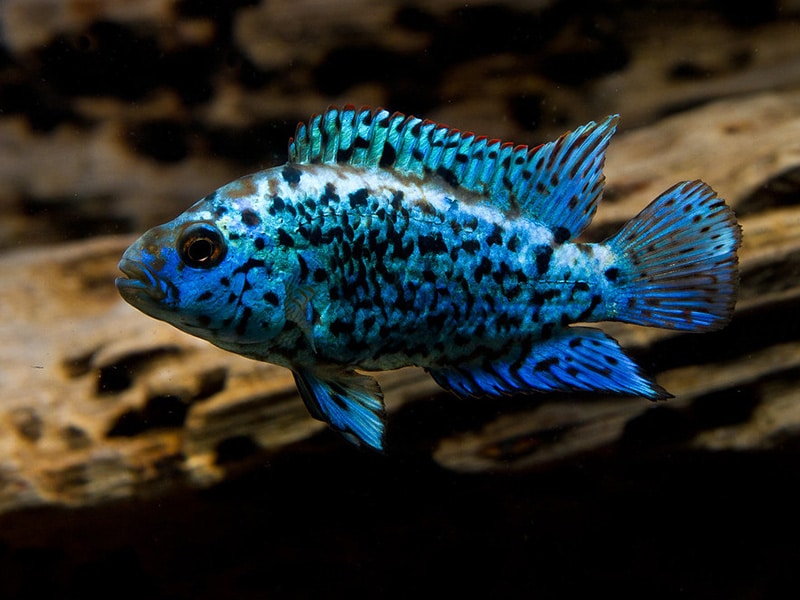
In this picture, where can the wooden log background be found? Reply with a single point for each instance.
(106, 415)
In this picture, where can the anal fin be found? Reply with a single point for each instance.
(576, 359)
(350, 403)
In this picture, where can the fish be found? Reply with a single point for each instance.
(389, 240)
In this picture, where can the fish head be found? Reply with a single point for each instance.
(207, 275)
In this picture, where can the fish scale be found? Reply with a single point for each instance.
(445, 271)
(387, 241)
(420, 280)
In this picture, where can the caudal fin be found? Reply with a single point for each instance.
(678, 264)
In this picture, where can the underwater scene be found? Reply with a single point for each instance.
(391, 299)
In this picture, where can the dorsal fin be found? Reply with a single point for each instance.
(557, 184)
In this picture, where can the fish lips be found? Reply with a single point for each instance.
(140, 283)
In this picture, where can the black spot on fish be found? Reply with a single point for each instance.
(346, 252)
(303, 268)
(241, 326)
(470, 246)
(342, 327)
(436, 322)
(359, 198)
(291, 175)
(250, 218)
(488, 299)
(380, 250)
(361, 277)
(397, 200)
(496, 237)
(285, 239)
(272, 298)
(388, 156)
(204, 320)
(357, 346)
(483, 269)
(224, 281)
(448, 176)
(612, 273)
(361, 142)
(403, 252)
(561, 235)
(513, 243)
(315, 236)
(543, 255)
(343, 155)
(431, 244)
(596, 299)
(252, 263)
(232, 298)
(427, 208)
(329, 195)
(205, 296)
(402, 304)
(547, 330)
(259, 243)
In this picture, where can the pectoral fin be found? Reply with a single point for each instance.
(350, 403)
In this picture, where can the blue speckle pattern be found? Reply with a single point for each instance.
(389, 241)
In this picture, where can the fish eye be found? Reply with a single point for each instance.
(201, 246)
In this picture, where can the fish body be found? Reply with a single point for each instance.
(388, 241)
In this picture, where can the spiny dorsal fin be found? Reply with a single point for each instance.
(557, 184)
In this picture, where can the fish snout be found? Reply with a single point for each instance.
(139, 280)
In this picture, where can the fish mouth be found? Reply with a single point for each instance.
(139, 280)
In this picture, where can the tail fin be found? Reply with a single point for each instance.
(677, 261)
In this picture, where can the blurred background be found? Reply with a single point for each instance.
(135, 462)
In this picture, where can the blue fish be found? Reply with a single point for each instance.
(388, 240)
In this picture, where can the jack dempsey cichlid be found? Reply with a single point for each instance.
(387, 241)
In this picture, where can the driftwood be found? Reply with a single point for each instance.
(100, 402)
